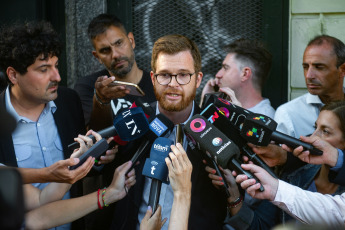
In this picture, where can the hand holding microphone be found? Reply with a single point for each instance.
(156, 168)
(259, 129)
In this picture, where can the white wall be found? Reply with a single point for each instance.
(309, 18)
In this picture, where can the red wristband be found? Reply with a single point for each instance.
(235, 203)
(99, 203)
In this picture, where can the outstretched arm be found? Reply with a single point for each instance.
(180, 171)
(64, 211)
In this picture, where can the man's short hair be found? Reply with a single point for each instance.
(101, 23)
(253, 54)
(338, 46)
(21, 44)
(173, 44)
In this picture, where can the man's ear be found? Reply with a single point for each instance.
(152, 78)
(199, 79)
(12, 75)
(246, 74)
(131, 39)
(342, 70)
(94, 53)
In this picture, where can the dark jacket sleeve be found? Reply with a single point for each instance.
(264, 216)
(338, 177)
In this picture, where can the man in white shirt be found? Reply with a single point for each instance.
(324, 71)
(243, 74)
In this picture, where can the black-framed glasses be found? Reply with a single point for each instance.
(181, 78)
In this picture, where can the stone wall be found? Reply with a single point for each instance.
(80, 61)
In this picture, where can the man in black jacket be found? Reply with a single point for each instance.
(46, 122)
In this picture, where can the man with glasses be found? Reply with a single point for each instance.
(176, 74)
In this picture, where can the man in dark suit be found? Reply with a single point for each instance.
(176, 74)
(46, 122)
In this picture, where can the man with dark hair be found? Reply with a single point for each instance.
(324, 71)
(46, 123)
(113, 48)
(243, 74)
(176, 74)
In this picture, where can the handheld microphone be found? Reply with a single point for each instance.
(156, 168)
(260, 130)
(222, 149)
(159, 126)
(218, 119)
(129, 125)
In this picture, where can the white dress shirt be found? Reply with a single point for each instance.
(311, 207)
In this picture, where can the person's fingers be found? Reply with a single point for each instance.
(247, 183)
(163, 221)
(251, 190)
(70, 162)
(124, 167)
(86, 139)
(84, 169)
(175, 161)
(169, 164)
(148, 213)
(110, 139)
(240, 178)
(131, 173)
(210, 170)
(96, 135)
(130, 180)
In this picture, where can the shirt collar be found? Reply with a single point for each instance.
(313, 99)
(50, 106)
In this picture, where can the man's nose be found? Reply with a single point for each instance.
(55, 75)
(114, 53)
(173, 82)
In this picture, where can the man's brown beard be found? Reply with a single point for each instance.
(174, 107)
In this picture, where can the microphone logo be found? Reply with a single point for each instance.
(135, 128)
(217, 141)
(152, 170)
(197, 125)
(160, 148)
(253, 132)
(213, 117)
(261, 118)
(224, 111)
(157, 127)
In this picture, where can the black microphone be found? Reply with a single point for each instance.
(223, 150)
(156, 168)
(159, 126)
(220, 121)
(260, 130)
(129, 125)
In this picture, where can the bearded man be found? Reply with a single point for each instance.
(176, 74)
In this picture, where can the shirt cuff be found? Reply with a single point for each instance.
(340, 161)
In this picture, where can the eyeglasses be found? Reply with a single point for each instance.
(181, 78)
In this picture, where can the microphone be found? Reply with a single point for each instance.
(260, 130)
(156, 168)
(217, 118)
(129, 125)
(222, 149)
(159, 126)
